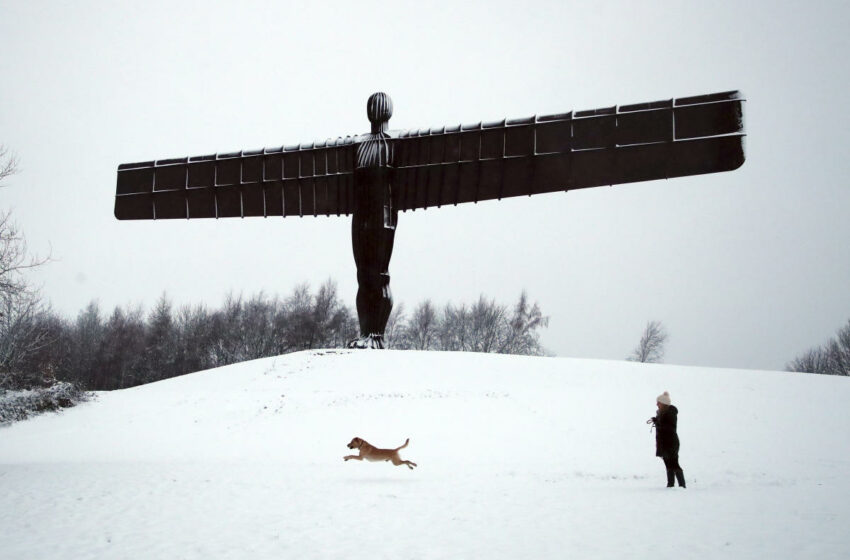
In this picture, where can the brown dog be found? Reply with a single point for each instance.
(372, 453)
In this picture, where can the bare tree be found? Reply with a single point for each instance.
(161, 341)
(651, 346)
(454, 328)
(487, 320)
(316, 321)
(122, 350)
(422, 326)
(14, 256)
(394, 332)
(814, 360)
(331, 319)
(22, 332)
(8, 164)
(521, 335)
(839, 351)
(226, 324)
(833, 358)
(87, 344)
(485, 326)
(257, 327)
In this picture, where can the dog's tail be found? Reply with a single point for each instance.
(405, 444)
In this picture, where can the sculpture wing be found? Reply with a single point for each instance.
(608, 146)
(314, 179)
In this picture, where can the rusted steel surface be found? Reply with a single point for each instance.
(448, 165)
(575, 150)
(301, 180)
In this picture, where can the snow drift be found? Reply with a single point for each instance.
(519, 457)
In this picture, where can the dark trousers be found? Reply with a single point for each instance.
(671, 462)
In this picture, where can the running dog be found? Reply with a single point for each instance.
(372, 453)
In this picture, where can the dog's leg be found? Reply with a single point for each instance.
(358, 457)
(398, 461)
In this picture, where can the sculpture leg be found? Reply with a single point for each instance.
(374, 304)
(372, 236)
(372, 251)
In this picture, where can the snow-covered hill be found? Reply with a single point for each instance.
(518, 457)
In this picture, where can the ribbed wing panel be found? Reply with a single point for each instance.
(608, 146)
(314, 179)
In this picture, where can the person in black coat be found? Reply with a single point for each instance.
(666, 439)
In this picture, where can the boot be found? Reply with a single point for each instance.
(670, 474)
(680, 476)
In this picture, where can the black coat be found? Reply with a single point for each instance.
(666, 439)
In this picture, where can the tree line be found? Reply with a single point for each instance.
(483, 326)
(128, 347)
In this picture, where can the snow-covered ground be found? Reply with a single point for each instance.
(518, 457)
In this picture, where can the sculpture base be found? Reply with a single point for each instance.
(375, 341)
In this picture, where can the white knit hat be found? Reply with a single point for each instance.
(664, 398)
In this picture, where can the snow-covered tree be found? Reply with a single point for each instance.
(21, 307)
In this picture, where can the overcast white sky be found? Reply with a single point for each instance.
(746, 269)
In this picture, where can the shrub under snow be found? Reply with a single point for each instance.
(21, 404)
